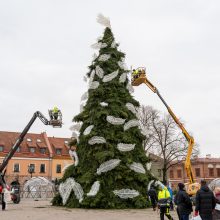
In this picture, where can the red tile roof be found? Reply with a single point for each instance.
(9, 138)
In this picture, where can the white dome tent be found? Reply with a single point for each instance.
(38, 187)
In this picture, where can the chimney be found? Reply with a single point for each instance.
(208, 156)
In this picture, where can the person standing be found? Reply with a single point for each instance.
(164, 203)
(183, 202)
(205, 202)
(171, 196)
(2, 187)
(153, 197)
(216, 213)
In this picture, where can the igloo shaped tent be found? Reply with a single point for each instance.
(38, 187)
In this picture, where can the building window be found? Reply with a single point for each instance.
(58, 168)
(39, 140)
(211, 171)
(218, 172)
(1, 148)
(58, 151)
(31, 168)
(18, 149)
(32, 149)
(66, 142)
(197, 171)
(43, 150)
(28, 139)
(16, 168)
(171, 174)
(42, 168)
(159, 172)
(179, 173)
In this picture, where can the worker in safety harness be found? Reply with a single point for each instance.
(55, 113)
(135, 74)
(164, 202)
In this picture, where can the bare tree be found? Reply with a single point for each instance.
(164, 138)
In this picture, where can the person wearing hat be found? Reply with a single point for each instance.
(183, 202)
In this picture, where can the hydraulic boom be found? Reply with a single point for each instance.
(37, 114)
(192, 186)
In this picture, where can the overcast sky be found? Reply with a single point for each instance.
(45, 50)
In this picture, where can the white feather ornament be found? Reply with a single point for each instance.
(126, 193)
(110, 76)
(104, 57)
(84, 96)
(88, 130)
(131, 107)
(148, 165)
(122, 65)
(108, 165)
(130, 88)
(85, 78)
(94, 85)
(115, 121)
(114, 44)
(137, 167)
(125, 147)
(82, 107)
(99, 72)
(76, 127)
(131, 123)
(94, 189)
(65, 189)
(99, 45)
(123, 77)
(91, 78)
(78, 191)
(74, 157)
(104, 104)
(103, 20)
(96, 140)
(94, 56)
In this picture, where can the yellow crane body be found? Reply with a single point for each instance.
(191, 187)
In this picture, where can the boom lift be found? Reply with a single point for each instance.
(53, 122)
(140, 77)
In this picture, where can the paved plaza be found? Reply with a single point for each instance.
(42, 210)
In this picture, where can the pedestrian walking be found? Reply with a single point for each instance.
(153, 197)
(164, 203)
(183, 202)
(205, 202)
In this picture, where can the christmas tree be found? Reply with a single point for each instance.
(111, 162)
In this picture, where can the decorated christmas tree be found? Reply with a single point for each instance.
(111, 163)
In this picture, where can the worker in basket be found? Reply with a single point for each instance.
(135, 74)
(54, 113)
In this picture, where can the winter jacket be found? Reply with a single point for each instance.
(152, 194)
(205, 202)
(183, 202)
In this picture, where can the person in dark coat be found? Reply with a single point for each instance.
(2, 186)
(153, 197)
(205, 202)
(183, 202)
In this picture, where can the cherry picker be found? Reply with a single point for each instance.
(138, 77)
(54, 121)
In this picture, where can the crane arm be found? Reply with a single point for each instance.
(21, 137)
(188, 137)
